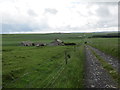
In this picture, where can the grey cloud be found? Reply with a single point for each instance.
(119, 14)
(7, 1)
(107, 18)
(106, 3)
(103, 11)
(103, 8)
(50, 10)
(31, 12)
(8, 28)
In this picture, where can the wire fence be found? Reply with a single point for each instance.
(25, 74)
(55, 77)
(30, 84)
(59, 71)
(52, 78)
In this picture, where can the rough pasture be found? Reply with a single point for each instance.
(55, 66)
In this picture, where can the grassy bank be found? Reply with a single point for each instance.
(107, 45)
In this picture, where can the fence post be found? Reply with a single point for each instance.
(65, 57)
(74, 48)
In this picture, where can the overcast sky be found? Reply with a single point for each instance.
(48, 16)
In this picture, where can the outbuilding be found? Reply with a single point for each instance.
(56, 42)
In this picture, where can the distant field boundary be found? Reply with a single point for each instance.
(113, 35)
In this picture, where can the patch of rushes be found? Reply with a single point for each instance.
(109, 68)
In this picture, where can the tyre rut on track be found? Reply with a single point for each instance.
(95, 75)
(109, 59)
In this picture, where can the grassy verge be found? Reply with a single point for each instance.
(108, 45)
(109, 68)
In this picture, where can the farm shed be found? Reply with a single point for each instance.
(70, 44)
(37, 44)
(56, 42)
(26, 43)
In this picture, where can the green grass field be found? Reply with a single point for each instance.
(107, 45)
(38, 64)
(43, 67)
(15, 39)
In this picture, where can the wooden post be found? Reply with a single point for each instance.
(74, 48)
(65, 57)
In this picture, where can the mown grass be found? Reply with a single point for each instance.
(109, 68)
(108, 45)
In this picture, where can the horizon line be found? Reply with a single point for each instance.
(57, 32)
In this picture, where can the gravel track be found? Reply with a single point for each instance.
(96, 76)
(109, 59)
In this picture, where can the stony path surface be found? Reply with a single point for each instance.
(107, 58)
(96, 76)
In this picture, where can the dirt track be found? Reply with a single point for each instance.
(111, 60)
(96, 76)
